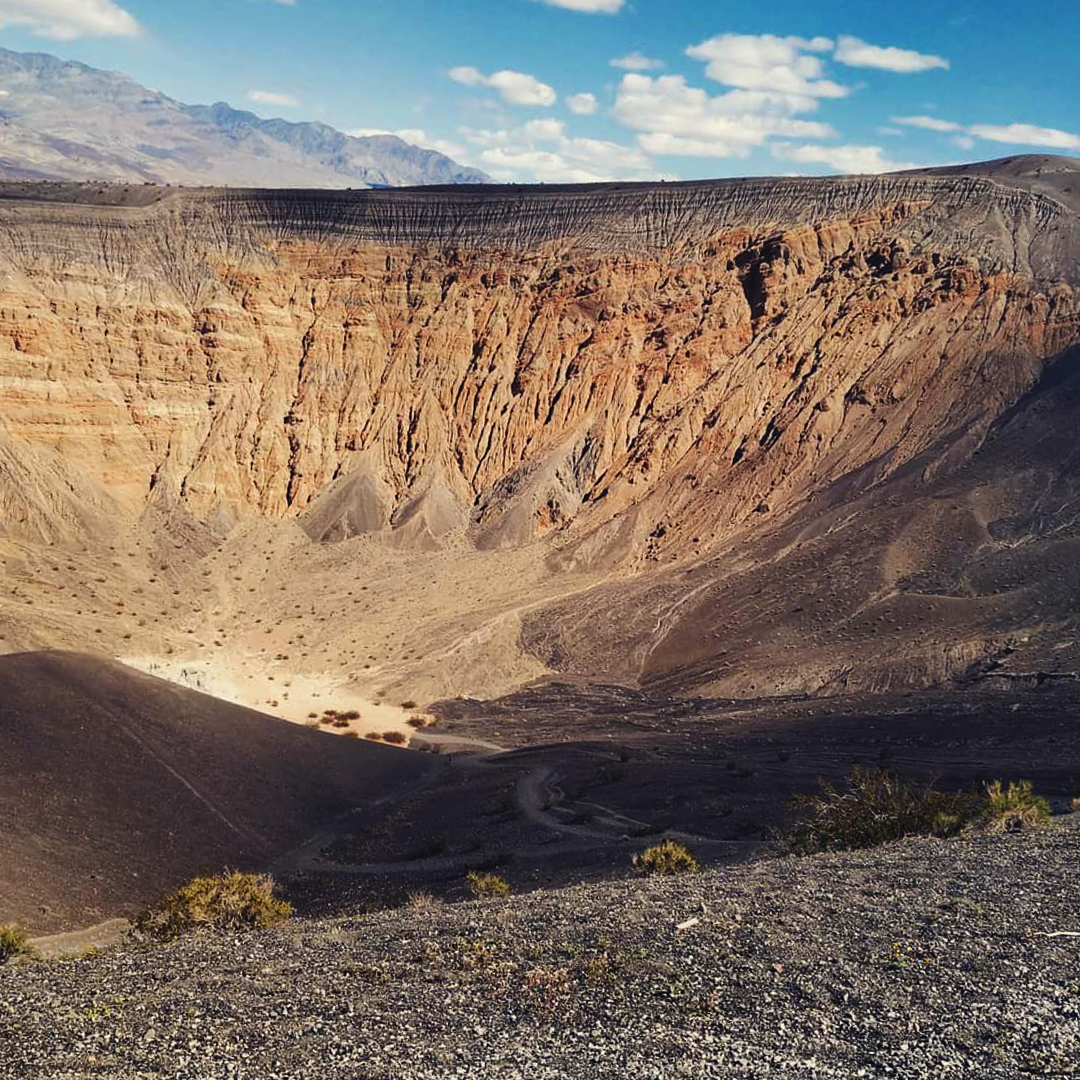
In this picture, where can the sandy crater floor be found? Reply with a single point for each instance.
(245, 681)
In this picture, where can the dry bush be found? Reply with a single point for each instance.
(352, 714)
(417, 722)
(1016, 807)
(374, 736)
(486, 886)
(423, 901)
(547, 990)
(350, 734)
(408, 704)
(231, 901)
(875, 807)
(668, 858)
(395, 738)
(13, 942)
(1075, 805)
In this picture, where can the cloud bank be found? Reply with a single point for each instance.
(66, 20)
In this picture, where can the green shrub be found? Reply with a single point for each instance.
(875, 807)
(13, 942)
(668, 858)
(231, 901)
(1016, 807)
(486, 886)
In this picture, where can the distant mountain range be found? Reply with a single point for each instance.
(63, 120)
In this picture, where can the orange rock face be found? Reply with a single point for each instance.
(707, 381)
(635, 377)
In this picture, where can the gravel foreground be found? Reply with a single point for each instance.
(922, 959)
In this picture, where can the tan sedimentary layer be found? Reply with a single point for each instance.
(635, 376)
(247, 366)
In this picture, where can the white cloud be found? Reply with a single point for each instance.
(1026, 135)
(582, 104)
(636, 61)
(541, 150)
(410, 135)
(516, 87)
(679, 119)
(273, 97)
(780, 66)
(593, 7)
(927, 123)
(468, 76)
(545, 130)
(69, 19)
(844, 159)
(855, 52)
(1012, 134)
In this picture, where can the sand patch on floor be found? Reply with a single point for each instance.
(287, 695)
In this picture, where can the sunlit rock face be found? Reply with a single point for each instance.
(634, 376)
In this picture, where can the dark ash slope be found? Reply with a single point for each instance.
(115, 786)
(924, 959)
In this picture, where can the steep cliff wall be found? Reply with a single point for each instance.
(246, 349)
(634, 374)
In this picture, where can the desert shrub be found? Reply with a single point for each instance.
(350, 734)
(1009, 809)
(13, 942)
(231, 901)
(875, 807)
(423, 901)
(396, 738)
(486, 886)
(474, 955)
(352, 714)
(374, 736)
(668, 858)
(547, 990)
(408, 704)
(1075, 805)
(339, 722)
(419, 722)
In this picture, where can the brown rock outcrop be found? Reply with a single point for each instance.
(633, 374)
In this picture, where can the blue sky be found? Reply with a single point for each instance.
(563, 90)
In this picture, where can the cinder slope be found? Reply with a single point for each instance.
(115, 786)
(920, 959)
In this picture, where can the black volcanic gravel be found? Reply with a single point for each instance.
(922, 959)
